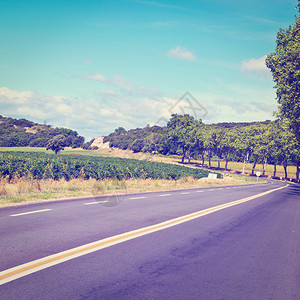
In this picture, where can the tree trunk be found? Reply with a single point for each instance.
(298, 171)
(254, 165)
(226, 161)
(264, 166)
(190, 154)
(209, 160)
(226, 164)
(219, 163)
(203, 159)
(245, 162)
(285, 170)
(274, 174)
(183, 154)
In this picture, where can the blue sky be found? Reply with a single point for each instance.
(96, 65)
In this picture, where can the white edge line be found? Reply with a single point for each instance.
(110, 241)
(97, 202)
(30, 212)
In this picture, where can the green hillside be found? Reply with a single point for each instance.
(23, 133)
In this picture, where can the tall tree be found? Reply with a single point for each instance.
(180, 129)
(244, 143)
(284, 64)
(209, 143)
(276, 144)
(228, 145)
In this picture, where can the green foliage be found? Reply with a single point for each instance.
(284, 64)
(182, 132)
(148, 139)
(257, 142)
(57, 144)
(22, 133)
(45, 166)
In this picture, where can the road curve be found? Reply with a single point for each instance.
(246, 251)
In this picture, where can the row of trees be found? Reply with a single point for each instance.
(269, 142)
(264, 143)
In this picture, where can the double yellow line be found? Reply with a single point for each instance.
(48, 261)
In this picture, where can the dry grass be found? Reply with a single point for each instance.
(233, 166)
(238, 166)
(24, 191)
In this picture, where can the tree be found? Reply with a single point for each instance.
(57, 143)
(276, 145)
(284, 64)
(120, 130)
(228, 145)
(180, 132)
(199, 134)
(219, 143)
(244, 144)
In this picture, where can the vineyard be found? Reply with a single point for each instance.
(50, 166)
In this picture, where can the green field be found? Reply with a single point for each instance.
(43, 150)
(40, 165)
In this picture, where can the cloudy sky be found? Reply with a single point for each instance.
(95, 65)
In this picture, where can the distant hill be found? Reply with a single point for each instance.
(147, 139)
(23, 133)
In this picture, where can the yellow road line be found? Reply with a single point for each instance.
(48, 261)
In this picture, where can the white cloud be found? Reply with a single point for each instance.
(120, 81)
(256, 68)
(96, 116)
(123, 85)
(96, 77)
(108, 109)
(10, 94)
(181, 53)
(108, 92)
(253, 65)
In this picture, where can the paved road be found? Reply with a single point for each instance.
(246, 251)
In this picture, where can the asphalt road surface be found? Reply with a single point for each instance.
(189, 244)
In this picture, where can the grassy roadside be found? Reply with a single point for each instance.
(27, 191)
(22, 191)
(234, 167)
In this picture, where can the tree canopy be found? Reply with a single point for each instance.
(284, 64)
(57, 144)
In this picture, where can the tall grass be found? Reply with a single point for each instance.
(23, 190)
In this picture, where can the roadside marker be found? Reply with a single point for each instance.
(51, 260)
